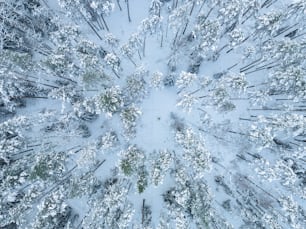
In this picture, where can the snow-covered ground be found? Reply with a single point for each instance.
(189, 115)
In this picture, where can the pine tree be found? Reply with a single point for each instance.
(129, 118)
(110, 101)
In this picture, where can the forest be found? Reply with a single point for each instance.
(144, 114)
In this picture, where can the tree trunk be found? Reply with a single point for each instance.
(144, 46)
(128, 10)
(192, 8)
(118, 3)
(90, 25)
(142, 212)
(104, 23)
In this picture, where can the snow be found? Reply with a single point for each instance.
(154, 131)
(254, 171)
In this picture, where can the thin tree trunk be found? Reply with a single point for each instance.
(201, 7)
(185, 26)
(229, 68)
(142, 212)
(245, 20)
(162, 39)
(65, 177)
(298, 35)
(139, 54)
(100, 22)
(116, 73)
(285, 30)
(104, 23)
(167, 27)
(120, 8)
(175, 38)
(90, 25)
(246, 67)
(192, 8)
(144, 46)
(129, 57)
(248, 9)
(128, 10)
(209, 12)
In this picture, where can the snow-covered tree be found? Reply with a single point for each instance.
(207, 33)
(53, 212)
(291, 210)
(89, 54)
(82, 185)
(111, 40)
(187, 101)
(258, 97)
(220, 98)
(236, 82)
(49, 166)
(156, 79)
(291, 81)
(236, 37)
(136, 85)
(142, 179)
(131, 159)
(155, 7)
(12, 139)
(11, 92)
(110, 101)
(113, 62)
(108, 140)
(161, 163)
(179, 19)
(195, 151)
(88, 157)
(185, 79)
(65, 36)
(112, 210)
(129, 117)
(268, 23)
(59, 64)
(85, 110)
(262, 135)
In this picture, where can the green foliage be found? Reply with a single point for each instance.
(129, 117)
(40, 171)
(110, 101)
(22, 60)
(132, 164)
(90, 77)
(126, 167)
(48, 166)
(86, 184)
(58, 63)
(142, 181)
(136, 86)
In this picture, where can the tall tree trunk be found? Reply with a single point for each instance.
(128, 9)
(162, 39)
(144, 46)
(104, 23)
(185, 26)
(192, 8)
(142, 212)
(90, 25)
(120, 8)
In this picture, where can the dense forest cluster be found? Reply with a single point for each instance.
(153, 114)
